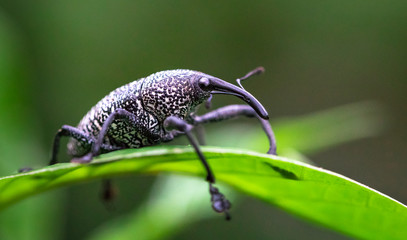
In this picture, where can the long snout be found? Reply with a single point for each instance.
(223, 87)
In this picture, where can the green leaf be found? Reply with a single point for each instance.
(175, 202)
(308, 133)
(323, 129)
(313, 193)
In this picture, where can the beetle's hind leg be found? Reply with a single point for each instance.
(68, 131)
(232, 111)
(219, 202)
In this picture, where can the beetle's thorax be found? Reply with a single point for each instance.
(172, 93)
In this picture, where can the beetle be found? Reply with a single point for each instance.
(157, 109)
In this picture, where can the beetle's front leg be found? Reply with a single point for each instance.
(219, 202)
(232, 111)
(179, 124)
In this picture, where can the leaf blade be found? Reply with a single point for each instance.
(310, 192)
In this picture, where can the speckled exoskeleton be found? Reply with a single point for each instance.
(156, 109)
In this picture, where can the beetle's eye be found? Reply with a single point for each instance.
(204, 83)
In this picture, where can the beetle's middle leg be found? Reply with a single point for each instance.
(232, 111)
(219, 202)
(95, 151)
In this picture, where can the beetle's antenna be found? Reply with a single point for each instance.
(256, 71)
(208, 103)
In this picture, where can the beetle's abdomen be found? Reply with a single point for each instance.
(122, 133)
(126, 134)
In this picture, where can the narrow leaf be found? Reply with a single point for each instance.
(313, 193)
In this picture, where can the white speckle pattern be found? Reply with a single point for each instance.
(151, 100)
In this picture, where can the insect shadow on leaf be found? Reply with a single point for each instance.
(283, 172)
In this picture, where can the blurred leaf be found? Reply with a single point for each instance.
(308, 133)
(313, 193)
(175, 202)
(19, 134)
(324, 129)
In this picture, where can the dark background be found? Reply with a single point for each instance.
(66, 55)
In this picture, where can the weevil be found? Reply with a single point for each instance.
(157, 109)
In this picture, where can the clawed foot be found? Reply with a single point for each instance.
(272, 150)
(84, 159)
(219, 202)
(24, 169)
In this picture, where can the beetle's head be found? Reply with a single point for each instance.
(205, 85)
(178, 92)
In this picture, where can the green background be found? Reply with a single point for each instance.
(58, 58)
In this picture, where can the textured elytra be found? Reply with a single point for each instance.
(151, 100)
(169, 95)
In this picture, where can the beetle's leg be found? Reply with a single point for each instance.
(118, 113)
(67, 131)
(219, 202)
(231, 111)
(179, 124)
(108, 193)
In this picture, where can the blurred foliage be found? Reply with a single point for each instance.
(175, 203)
(325, 128)
(18, 133)
(57, 59)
